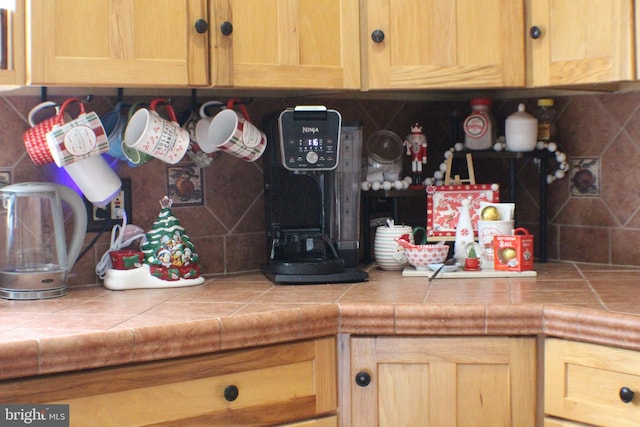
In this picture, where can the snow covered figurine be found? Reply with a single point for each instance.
(416, 146)
(170, 258)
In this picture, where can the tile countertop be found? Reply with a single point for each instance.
(93, 327)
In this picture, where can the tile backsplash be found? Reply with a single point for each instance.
(228, 226)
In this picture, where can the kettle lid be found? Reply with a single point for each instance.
(30, 187)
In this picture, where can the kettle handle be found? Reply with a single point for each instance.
(79, 222)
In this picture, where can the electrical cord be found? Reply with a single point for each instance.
(117, 242)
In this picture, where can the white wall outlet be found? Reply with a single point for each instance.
(102, 219)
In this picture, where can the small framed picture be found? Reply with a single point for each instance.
(443, 207)
(585, 177)
(185, 185)
(5, 177)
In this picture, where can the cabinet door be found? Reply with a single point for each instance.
(579, 42)
(286, 44)
(12, 48)
(448, 381)
(118, 43)
(264, 386)
(444, 44)
(583, 383)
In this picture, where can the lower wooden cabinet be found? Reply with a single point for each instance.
(288, 384)
(443, 381)
(589, 383)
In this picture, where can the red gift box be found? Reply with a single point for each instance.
(513, 253)
(126, 259)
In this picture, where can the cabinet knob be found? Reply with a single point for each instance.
(363, 378)
(626, 394)
(201, 26)
(377, 36)
(535, 32)
(226, 28)
(231, 393)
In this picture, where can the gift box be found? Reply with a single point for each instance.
(513, 253)
(125, 259)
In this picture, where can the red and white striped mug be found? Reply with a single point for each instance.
(35, 138)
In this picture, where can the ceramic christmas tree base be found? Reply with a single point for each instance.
(141, 278)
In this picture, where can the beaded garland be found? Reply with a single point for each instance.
(561, 159)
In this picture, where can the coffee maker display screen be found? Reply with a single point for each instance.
(314, 143)
(309, 139)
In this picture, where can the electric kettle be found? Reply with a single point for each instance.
(34, 257)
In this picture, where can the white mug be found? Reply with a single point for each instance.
(386, 249)
(486, 231)
(202, 127)
(156, 136)
(95, 179)
(235, 134)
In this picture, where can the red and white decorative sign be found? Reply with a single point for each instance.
(443, 207)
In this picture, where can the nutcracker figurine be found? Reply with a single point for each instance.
(416, 144)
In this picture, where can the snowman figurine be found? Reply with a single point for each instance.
(416, 146)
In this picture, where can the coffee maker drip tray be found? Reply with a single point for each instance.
(306, 266)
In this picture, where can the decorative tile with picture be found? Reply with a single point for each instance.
(185, 185)
(585, 177)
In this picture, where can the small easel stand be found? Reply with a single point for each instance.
(456, 179)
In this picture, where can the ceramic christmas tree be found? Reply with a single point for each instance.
(168, 250)
(169, 257)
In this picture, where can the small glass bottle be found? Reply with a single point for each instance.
(479, 126)
(546, 114)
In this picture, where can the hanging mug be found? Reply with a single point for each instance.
(156, 136)
(198, 125)
(133, 156)
(95, 179)
(234, 133)
(114, 123)
(203, 126)
(35, 138)
(77, 139)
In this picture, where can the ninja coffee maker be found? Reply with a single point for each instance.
(311, 191)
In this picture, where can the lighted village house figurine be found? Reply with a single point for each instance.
(416, 146)
(168, 257)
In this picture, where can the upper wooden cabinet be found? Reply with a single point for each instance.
(12, 50)
(286, 43)
(443, 44)
(579, 42)
(117, 43)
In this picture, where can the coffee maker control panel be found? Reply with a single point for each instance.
(309, 138)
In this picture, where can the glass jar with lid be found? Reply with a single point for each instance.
(479, 126)
(546, 115)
